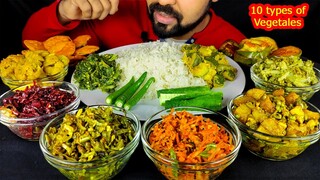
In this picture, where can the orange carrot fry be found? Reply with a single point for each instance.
(193, 138)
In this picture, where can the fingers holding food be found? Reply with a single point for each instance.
(69, 10)
(100, 9)
(114, 6)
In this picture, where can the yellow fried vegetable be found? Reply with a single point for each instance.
(201, 70)
(207, 51)
(298, 113)
(273, 127)
(54, 64)
(209, 76)
(291, 118)
(256, 93)
(208, 63)
(28, 72)
(32, 64)
(242, 112)
(64, 59)
(276, 114)
(267, 105)
(50, 59)
(55, 69)
(33, 57)
(8, 65)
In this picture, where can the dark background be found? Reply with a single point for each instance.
(14, 14)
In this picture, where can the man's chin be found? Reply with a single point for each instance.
(161, 30)
(164, 27)
(163, 34)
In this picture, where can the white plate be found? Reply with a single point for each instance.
(145, 108)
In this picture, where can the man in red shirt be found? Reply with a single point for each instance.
(113, 23)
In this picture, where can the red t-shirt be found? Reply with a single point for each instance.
(129, 25)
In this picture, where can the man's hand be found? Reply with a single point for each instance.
(69, 10)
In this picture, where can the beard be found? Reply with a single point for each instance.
(162, 31)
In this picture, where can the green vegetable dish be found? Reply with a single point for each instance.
(289, 71)
(198, 96)
(131, 93)
(98, 72)
(93, 136)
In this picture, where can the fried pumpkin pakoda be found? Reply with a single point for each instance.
(34, 45)
(74, 49)
(81, 40)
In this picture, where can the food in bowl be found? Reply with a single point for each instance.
(190, 142)
(94, 142)
(254, 49)
(290, 73)
(21, 69)
(27, 109)
(275, 125)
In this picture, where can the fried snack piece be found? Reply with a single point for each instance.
(52, 41)
(75, 49)
(34, 45)
(55, 44)
(68, 48)
(81, 40)
(287, 51)
(76, 57)
(88, 49)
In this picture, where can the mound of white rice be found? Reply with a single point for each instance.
(162, 60)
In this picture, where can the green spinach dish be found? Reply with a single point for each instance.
(98, 71)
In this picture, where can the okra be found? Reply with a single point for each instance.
(136, 97)
(209, 101)
(192, 91)
(193, 95)
(121, 100)
(111, 98)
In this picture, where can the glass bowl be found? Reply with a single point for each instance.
(30, 127)
(269, 145)
(305, 92)
(12, 84)
(110, 161)
(171, 168)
